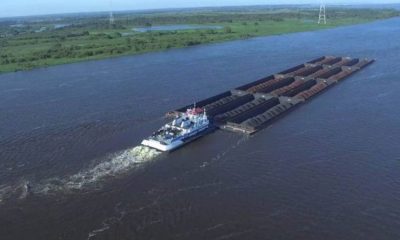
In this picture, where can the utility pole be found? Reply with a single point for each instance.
(322, 13)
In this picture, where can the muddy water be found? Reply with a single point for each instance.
(69, 168)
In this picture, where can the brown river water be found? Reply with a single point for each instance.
(328, 170)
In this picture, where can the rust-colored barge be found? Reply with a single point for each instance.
(252, 107)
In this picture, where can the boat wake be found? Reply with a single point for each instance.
(92, 178)
(114, 166)
(19, 190)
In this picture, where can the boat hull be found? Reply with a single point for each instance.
(161, 147)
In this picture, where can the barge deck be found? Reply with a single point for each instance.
(252, 107)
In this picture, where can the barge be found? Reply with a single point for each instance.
(250, 108)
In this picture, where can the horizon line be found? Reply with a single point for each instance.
(186, 8)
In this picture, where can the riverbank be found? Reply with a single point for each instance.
(36, 43)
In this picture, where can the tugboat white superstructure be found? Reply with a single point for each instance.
(183, 129)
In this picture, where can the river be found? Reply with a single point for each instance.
(328, 170)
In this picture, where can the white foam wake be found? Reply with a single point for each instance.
(18, 190)
(115, 165)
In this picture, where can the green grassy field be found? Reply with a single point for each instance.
(93, 38)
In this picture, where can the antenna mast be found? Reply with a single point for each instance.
(322, 13)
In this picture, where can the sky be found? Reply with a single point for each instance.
(10, 8)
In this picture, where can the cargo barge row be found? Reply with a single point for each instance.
(252, 107)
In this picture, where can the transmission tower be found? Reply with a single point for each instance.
(112, 19)
(322, 14)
